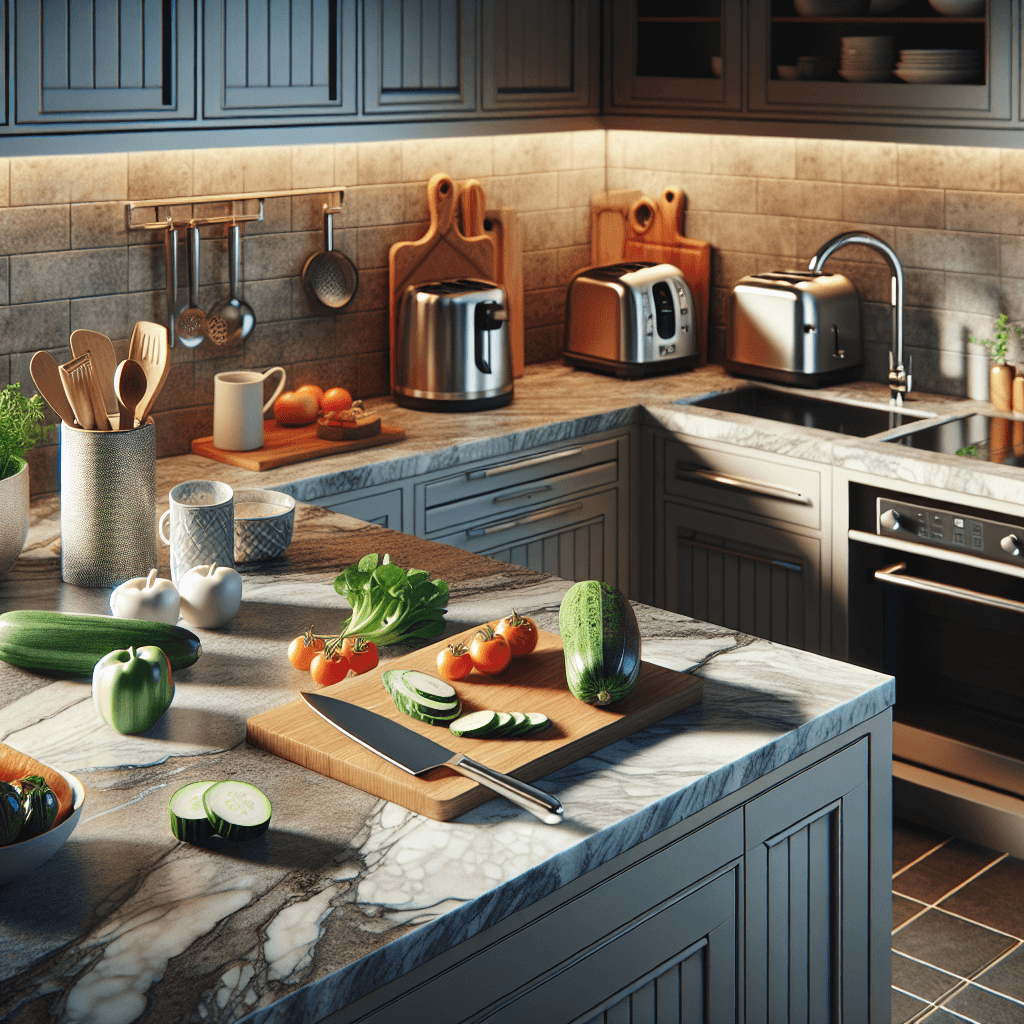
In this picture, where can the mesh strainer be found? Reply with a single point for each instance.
(329, 277)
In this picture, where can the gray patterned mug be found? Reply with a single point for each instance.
(202, 526)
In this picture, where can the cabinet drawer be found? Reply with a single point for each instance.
(486, 478)
(513, 500)
(758, 485)
(384, 509)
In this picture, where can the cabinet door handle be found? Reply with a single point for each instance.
(889, 575)
(741, 483)
(483, 531)
(167, 51)
(777, 562)
(511, 467)
(332, 50)
(531, 493)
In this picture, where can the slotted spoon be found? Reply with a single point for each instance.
(148, 347)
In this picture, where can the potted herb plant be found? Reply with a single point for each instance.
(21, 427)
(1000, 380)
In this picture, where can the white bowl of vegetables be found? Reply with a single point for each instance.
(25, 855)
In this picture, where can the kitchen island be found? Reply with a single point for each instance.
(352, 908)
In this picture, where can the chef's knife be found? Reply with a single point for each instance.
(417, 754)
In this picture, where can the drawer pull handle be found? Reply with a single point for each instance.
(483, 531)
(511, 467)
(533, 492)
(889, 575)
(741, 483)
(777, 562)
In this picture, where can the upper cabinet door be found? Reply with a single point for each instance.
(419, 56)
(283, 58)
(5, 115)
(540, 54)
(104, 60)
(668, 57)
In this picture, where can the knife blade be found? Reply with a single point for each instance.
(416, 754)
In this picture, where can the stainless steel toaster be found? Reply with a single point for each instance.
(794, 327)
(631, 320)
(452, 350)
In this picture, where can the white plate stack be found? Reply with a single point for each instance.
(938, 65)
(867, 58)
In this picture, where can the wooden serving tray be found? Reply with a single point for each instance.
(534, 682)
(285, 445)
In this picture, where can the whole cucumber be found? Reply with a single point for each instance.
(70, 644)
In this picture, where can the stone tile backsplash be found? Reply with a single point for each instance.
(955, 216)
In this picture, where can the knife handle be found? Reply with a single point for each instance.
(537, 802)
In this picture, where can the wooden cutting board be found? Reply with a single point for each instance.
(535, 682)
(608, 213)
(285, 445)
(442, 254)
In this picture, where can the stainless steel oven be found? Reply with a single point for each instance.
(936, 598)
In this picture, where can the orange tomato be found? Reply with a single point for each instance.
(520, 632)
(490, 652)
(303, 649)
(329, 670)
(454, 662)
(362, 654)
(315, 390)
(336, 400)
(295, 408)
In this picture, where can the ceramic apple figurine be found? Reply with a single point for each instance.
(146, 597)
(210, 595)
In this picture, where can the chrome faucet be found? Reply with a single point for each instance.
(900, 380)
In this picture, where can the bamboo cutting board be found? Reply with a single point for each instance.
(283, 446)
(608, 213)
(535, 682)
(442, 254)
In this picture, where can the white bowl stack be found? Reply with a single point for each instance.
(867, 58)
(929, 66)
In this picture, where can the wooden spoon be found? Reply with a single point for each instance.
(130, 387)
(45, 371)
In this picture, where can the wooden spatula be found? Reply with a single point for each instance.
(104, 361)
(45, 371)
(77, 377)
(148, 347)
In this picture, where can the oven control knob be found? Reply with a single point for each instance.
(890, 519)
(1011, 544)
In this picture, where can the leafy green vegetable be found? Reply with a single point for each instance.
(20, 427)
(391, 604)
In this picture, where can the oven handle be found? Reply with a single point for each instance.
(889, 575)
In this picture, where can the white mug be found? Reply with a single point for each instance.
(238, 408)
(202, 526)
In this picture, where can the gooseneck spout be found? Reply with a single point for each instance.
(900, 381)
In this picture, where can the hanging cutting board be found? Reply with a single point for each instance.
(442, 254)
(504, 227)
(534, 682)
(654, 231)
(608, 213)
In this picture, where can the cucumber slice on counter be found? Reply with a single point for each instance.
(423, 709)
(476, 724)
(504, 726)
(237, 810)
(428, 686)
(188, 815)
(520, 724)
(538, 722)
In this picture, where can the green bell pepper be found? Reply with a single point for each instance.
(131, 689)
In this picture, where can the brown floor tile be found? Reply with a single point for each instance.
(942, 871)
(949, 943)
(985, 1007)
(922, 981)
(1007, 976)
(904, 909)
(994, 898)
(910, 841)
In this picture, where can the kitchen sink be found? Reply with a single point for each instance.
(808, 411)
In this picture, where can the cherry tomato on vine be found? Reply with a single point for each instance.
(303, 649)
(490, 652)
(454, 662)
(520, 632)
(329, 669)
(362, 654)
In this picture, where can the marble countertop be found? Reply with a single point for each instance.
(344, 890)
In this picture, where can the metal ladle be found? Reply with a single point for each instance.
(192, 322)
(233, 319)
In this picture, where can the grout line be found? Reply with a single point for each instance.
(956, 888)
(913, 917)
(928, 853)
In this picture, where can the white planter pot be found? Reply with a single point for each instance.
(13, 516)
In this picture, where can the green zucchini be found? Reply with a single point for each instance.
(504, 726)
(538, 722)
(440, 711)
(428, 686)
(476, 724)
(601, 643)
(237, 810)
(70, 644)
(188, 815)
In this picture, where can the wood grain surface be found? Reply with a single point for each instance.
(285, 445)
(535, 682)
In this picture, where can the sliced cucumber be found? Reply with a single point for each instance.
(423, 709)
(428, 686)
(237, 810)
(390, 677)
(475, 724)
(520, 724)
(504, 726)
(188, 815)
(538, 722)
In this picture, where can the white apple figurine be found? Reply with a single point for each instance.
(210, 595)
(146, 597)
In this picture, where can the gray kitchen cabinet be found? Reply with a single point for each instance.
(110, 61)
(381, 505)
(539, 55)
(291, 59)
(419, 56)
